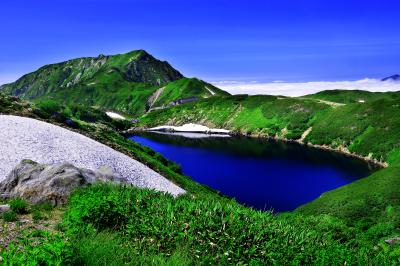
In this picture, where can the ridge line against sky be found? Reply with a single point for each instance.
(291, 40)
(295, 89)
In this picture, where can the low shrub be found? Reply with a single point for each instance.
(37, 215)
(210, 229)
(19, 206)
(39, 248)
(10, 216)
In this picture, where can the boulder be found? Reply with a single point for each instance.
(393, 240)
(39, 183)
(4, 208)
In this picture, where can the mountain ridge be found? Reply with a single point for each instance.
(121, 82)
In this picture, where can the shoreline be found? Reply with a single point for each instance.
(276, 138)
(319, 147)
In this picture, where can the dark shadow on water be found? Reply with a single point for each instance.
(264, 174)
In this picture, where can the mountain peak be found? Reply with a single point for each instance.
(135, 67)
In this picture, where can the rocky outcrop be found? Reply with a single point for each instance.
(40, 183)
(4, 208)
(393, 240)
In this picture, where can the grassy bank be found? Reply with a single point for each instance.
(110, 225)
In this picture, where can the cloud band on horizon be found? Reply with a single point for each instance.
(304, 88)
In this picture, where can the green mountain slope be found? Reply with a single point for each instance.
(352, 96)
(123, 82)
(356, 127)
(370, 129)
(185, 88)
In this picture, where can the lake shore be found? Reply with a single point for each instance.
(195, 128)
(341, 150)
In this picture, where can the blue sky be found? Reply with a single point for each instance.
(292, 40)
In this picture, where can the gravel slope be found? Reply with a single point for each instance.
(26, 138)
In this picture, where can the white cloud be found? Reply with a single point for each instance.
(300, 89)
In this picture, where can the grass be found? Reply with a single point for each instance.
(19, 206)
(354, 126)
(186, 88)
(352, 96)
(123, 83)
(10, 216)
(117, 225)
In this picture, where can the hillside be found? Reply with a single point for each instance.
(125, 83)
(355, 127)
(352, 96)
(111, 225)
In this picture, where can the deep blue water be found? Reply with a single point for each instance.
(260, 173)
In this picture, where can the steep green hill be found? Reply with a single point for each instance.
(125, 83)
(183, 89)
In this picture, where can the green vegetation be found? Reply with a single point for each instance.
(355, 127)
(10, 216)
(117, 225)
(352, 96)
(257, 115)
(19, 206)
(124, 83)
(186, 88)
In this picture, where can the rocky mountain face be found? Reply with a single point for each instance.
(130, 83)
(136, 67)
(392, 78)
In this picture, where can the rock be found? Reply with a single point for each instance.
(4, 208)
(393, 240)
(52, 184)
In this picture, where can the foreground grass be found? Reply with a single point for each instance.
(115, 225)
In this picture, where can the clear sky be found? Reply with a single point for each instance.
(290, 40)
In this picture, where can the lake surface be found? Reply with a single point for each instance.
(264, 174)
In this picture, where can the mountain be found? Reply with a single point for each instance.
(123, 82)
(392, 78)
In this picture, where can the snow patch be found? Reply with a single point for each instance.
(115, 115)
(212, 93)
(190, 128)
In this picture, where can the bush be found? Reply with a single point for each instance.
(10, 216)
(212, 230)
(19, 206)
(40, 248)
(43, 207)
(47, 108)
(37, 215)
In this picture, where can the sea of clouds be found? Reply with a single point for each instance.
(300, 89)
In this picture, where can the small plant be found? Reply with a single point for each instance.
(43, 207)
(19, 206)
(10, 216)
(37, 215)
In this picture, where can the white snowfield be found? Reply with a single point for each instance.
(115, 115)
(26, 138)
(190, 128)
